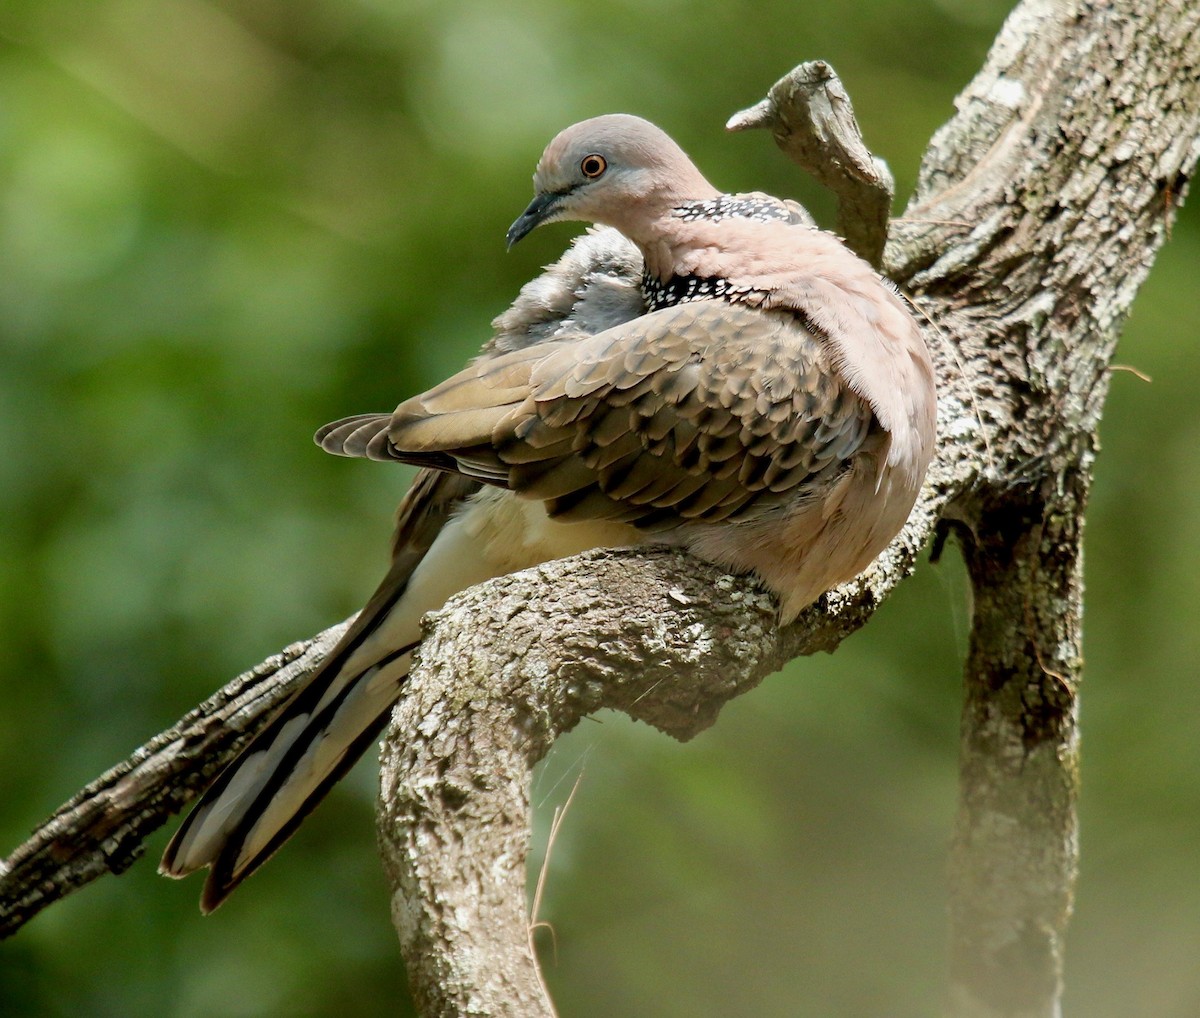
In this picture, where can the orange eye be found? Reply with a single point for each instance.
(593, 166)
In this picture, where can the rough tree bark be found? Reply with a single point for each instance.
(1038, 212)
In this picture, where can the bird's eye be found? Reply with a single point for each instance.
(593, 166)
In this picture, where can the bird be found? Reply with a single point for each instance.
(725, 377)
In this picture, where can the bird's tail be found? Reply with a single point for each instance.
(259, 800)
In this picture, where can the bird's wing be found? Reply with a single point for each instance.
(705, 411)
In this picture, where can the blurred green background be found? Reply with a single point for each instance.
(225, 223)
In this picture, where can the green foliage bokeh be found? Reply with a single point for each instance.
(225, 222)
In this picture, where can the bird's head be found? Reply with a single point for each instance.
(617, 170)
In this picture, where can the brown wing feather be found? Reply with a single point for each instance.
(360, 435)
(703, 411)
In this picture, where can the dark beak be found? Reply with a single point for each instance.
(540, 209)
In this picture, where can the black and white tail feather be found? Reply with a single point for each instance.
(259, 800)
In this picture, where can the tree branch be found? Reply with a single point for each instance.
(808, 112)
(101, 829)
(1040, 208)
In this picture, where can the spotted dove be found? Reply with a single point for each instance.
(758, 396)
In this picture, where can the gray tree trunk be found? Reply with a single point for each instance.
(1039, 210)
